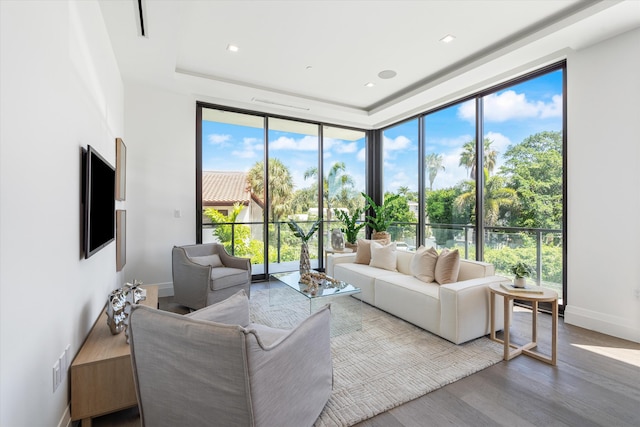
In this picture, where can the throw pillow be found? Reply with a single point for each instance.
(423, 264)
(447, 266)
(363, 255)
(231, 311)
(212, 260)
(383, 256)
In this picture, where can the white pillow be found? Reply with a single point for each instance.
(212, 260)
(383, 256)
(423, 264)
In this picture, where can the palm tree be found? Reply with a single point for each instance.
(496, 196)
(337, 185)
(433, 165)
(280, 186)
(468, 157)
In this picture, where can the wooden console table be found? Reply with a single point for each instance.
(101, 373)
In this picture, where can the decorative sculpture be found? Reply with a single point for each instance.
(337, 239)
(119, 305)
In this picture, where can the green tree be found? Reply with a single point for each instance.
(399, 214)
(338, 186)
(433, 165)
(498, 198)
(440, 211)
(468, 157)
(280, 186)
(235, 238)
(534, 170)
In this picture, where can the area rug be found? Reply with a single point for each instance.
(385, 364)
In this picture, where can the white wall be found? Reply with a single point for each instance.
(603, 187)
(60, 90)
(160, 129)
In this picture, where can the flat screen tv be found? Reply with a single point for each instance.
(99, 202)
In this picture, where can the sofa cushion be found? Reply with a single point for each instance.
(423, 264)
(383, 256)
(231, 311)
(363, 254)
(447, 266)
(212, 260)
(224, 277)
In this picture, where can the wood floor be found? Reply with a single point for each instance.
(596, 383)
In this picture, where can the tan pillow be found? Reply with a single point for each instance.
(447, 267)
(423, 264)
(363, 255)
(383, 256)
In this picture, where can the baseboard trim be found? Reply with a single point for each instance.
(65, 420)
(600, 322)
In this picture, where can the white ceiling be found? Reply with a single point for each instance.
(346, 44)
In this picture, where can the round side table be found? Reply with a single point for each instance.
(511, 350)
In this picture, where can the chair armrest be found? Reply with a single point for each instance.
(190, 280)
(333, 259)
(295, 368)
(234, 261)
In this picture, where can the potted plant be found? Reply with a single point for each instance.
(351, 226)
(381, 220)
(521, 271)
(305, 261)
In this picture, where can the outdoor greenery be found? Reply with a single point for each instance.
(524, 192)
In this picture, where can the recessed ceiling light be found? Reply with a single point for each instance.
(232, 48)
(448, 38)
(370, 84)
(387, 74)
(309, 67)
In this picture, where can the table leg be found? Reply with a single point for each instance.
(492, 314)
(506, 328)
(534, 322)
(554, 331)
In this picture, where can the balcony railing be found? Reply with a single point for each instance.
(504, 246)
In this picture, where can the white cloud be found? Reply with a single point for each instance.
(362, 155)
(306, 143)
(251, 148)
(342, 148)
(511, 105)
(500, 142)
(217, 139)
(398, 143)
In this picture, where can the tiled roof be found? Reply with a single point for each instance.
(224, 188)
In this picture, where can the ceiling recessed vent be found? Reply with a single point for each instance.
(266, 101)
(141, 17)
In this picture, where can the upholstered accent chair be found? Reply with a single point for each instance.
(205, 274)
(214, 367)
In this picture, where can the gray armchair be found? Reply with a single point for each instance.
(214, 367)
(206, 274)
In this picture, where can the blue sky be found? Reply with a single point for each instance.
(511, 115)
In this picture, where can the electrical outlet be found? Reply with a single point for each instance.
(61, 367)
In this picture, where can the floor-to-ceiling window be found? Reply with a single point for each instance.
(506, 143)
(311, 170)
(523, 188)
(400, 168)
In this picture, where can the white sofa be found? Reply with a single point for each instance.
(457, 312)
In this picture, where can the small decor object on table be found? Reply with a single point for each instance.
(337, 239)
(305, 261)
(119, 305)
(521, 271)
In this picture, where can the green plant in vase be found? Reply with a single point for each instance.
(381, 220)
(305, 261)
(521, 270)
(351, 226)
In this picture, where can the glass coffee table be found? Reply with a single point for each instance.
(346, 313)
